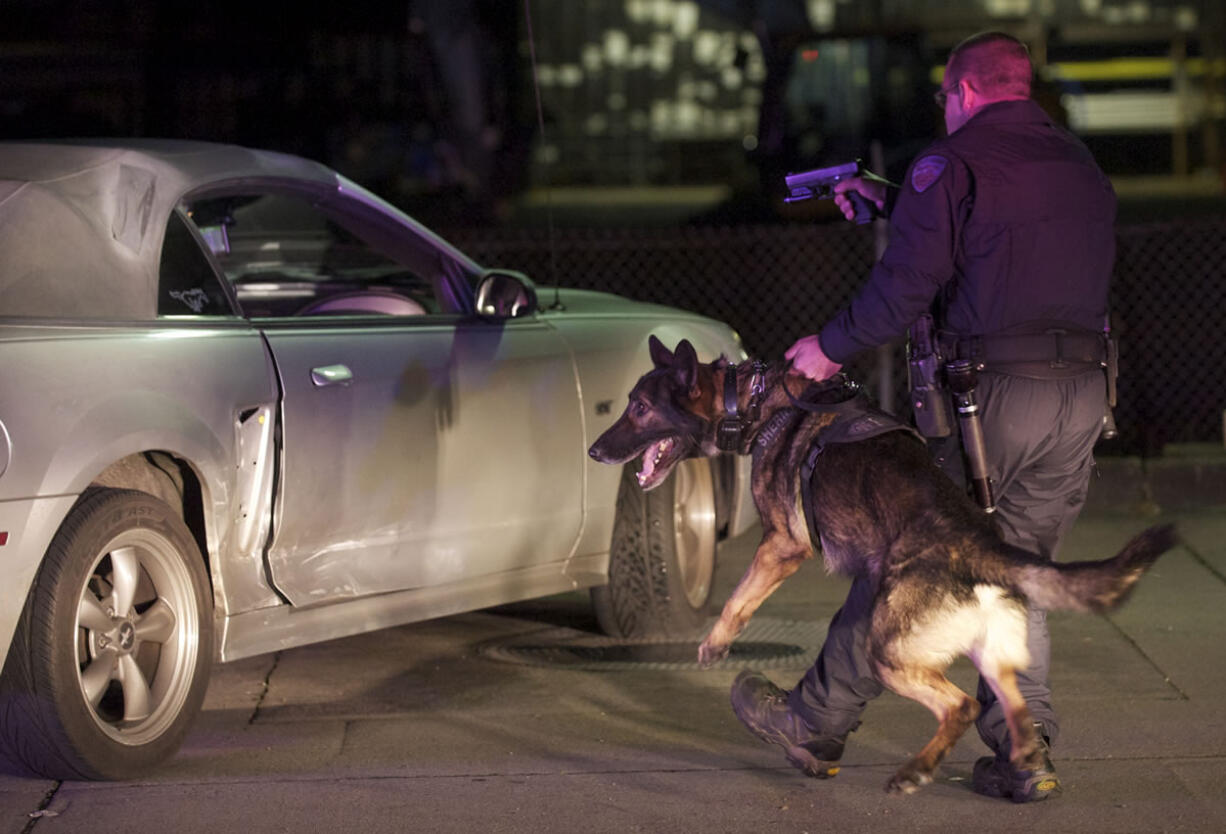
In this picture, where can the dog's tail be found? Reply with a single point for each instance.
(1094, 586)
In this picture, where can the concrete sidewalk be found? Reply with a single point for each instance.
(421, 728)
(1186, 477)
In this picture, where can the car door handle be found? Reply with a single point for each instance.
(331, 375)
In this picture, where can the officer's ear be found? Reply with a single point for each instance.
(967, 92)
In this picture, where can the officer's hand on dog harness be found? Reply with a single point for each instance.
(808, 358)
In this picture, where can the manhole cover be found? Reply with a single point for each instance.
(765, 643)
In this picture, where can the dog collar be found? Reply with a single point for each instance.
(732, 426)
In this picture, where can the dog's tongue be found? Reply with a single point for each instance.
(649, 464)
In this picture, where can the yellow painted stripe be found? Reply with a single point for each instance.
(1132, 68)
(1119, 69)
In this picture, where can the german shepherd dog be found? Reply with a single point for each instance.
(946, 584)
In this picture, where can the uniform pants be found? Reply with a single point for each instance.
(1039, 436)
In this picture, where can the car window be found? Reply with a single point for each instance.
(187, 283)
(285, 255)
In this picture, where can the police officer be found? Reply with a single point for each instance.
(1004, 229)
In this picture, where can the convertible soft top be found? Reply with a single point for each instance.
(81, 221)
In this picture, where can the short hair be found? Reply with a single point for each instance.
(998, 64)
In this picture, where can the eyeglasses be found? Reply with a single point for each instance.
(942, 95)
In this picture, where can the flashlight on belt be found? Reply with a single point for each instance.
(962, 375)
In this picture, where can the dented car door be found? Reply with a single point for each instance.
(420, 445)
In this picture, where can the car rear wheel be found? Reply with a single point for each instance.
(663, 556)
(110, 660)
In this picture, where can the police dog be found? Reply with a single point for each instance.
(946, 584)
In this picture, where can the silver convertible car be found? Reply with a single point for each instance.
(245, 404)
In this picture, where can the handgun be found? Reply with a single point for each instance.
(819, 183)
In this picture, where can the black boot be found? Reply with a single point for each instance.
(763, 708)
(996, 776)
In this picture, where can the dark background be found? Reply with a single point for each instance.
(654, 165)
(433, 104)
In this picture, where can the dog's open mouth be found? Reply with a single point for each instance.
(658, 461)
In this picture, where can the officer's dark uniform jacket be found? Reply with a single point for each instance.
(1007, 225)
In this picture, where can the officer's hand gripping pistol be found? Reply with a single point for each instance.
(819, 183)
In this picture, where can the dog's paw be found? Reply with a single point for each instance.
(710, 653)
(907, 781)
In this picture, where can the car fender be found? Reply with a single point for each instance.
(611, 353)
(235, 495)
(91, 399)
(108, 432)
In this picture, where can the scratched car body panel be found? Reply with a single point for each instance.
(355, 444)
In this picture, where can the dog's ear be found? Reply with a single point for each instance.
(661, 356)
(686, 364)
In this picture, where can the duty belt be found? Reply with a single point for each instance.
(1056, 351)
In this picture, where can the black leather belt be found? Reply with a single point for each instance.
(1056, 351)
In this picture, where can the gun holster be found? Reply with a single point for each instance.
(929, 400)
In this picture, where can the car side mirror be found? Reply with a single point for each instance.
(503, 294)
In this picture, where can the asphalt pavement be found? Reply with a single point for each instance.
(521, 719)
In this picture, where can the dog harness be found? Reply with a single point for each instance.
(860, 421)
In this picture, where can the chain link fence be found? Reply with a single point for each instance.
(776, 283)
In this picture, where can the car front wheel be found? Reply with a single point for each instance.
(662, 558)
(110, 660)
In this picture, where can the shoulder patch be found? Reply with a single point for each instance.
(927, 171)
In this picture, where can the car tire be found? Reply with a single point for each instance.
(662, 558)
(110, 660)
